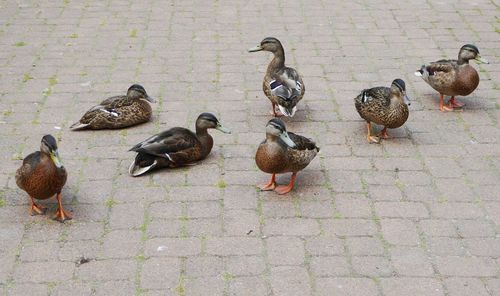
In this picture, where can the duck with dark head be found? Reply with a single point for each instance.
(119, 111)
(453, 77)
(42, 175)
(175, 147)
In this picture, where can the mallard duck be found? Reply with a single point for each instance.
(453, 77)
(283, 152)
(385, 106)
(175, 147)
(118, 111)
(43, 175)
(282, 85)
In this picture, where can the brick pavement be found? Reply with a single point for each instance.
(415, 215)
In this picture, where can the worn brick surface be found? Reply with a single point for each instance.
(418, 214)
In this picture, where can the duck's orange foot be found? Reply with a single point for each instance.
(62, 215)
(267, 187)
(384, 134)
(453, 103)
(37, 210)
(270, 185)
(373, 139)
(283, 189)
(445, 108)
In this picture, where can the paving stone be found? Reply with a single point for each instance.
(411, 261)
(37, 271)
(203, 266)
(285, 251)
(34, 289)
(291, 226)
(224, 246)
(204, 286)
(400, 232)
(160, 273)
(290, 280)
(346, 286)
(411, 286)
(466, 266)
(364, 246)
(248, 286)
(245, 265)
(107, 270)
(330, 266)
(467, 286)
(115, 287)
(179, 247)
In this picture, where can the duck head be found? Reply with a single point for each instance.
(470, 52)
(275, 128)
(138, 92)
(398, 87)
(49, 146)
(270, 44)
(208, 120)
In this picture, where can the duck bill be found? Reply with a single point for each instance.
(481, 60)
(255, 49)
(150, 99)
(406, 100)
(284, 136)
(54, 155)
(222, 129)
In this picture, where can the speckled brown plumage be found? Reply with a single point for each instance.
(384, 106)
(118, 111)
(39, 177)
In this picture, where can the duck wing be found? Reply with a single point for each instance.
(174, 140)
(302, 143)
(288, 87)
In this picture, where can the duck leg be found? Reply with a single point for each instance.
(36, 209)
(274, 113)
(369, 137)
(442, 106)
(61, 215)
(269, 186)
(384, 134)
(288, 188)
(454, 103)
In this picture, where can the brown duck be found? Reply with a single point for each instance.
(282, 85)
(175, 147)
(42, 175)
(453, 77)
(384, 106)
(118, 112)
(283, 152)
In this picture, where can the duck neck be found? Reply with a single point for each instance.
(278, 61)
(205, 139)
(462, 61)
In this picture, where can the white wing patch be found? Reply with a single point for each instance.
(112, 112)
